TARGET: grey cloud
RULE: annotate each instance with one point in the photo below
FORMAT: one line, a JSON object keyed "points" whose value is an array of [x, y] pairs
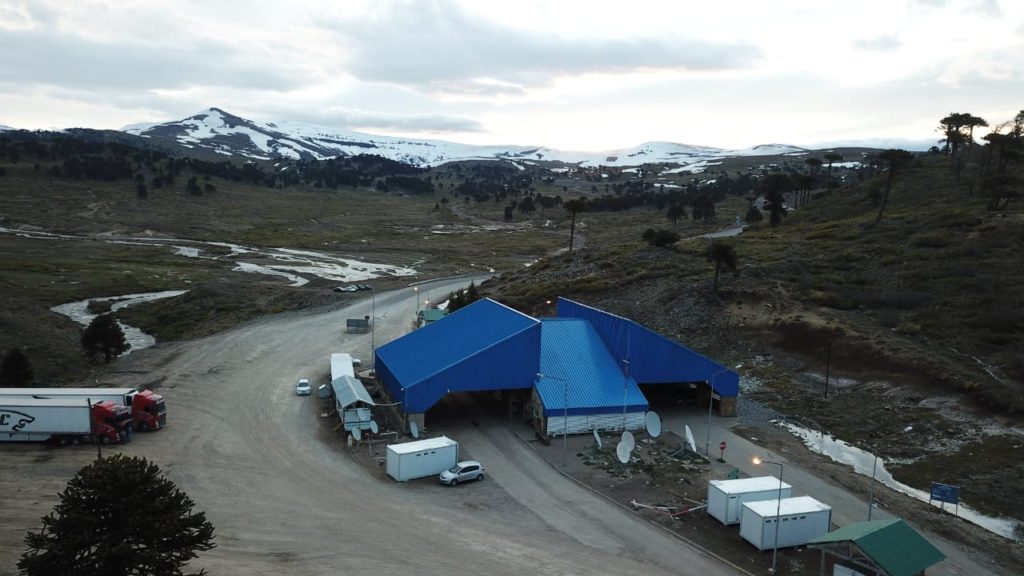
{"points": [[366, 120], [988, 8], [48, 58], [438, 46], [885, 43]]}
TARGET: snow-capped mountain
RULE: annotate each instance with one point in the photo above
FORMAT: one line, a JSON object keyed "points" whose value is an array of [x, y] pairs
{"points": [[5, 128], [218, 131]]}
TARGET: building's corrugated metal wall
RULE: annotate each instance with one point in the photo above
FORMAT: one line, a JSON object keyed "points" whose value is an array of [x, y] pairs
{"points": [[509, 364], [583, 423], [653, 358]]}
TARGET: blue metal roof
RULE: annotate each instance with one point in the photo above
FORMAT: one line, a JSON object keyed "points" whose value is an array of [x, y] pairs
{"points": [[484, 346], [577, 368], [653, 358]]}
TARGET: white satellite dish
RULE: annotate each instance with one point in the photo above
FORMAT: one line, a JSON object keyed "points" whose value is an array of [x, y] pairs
{"points": [[653, 423], [357, 434], [622, 452], [628, 440], [689, 440], [373, 426], [414, 429], [597, 440]]}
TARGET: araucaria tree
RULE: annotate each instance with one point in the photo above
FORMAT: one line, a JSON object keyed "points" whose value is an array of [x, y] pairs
{"points": [[118, 515], [722, 254], [893, 158], [104, 336], [16, 369], [574, 207], [774, 188], [831, 157]]}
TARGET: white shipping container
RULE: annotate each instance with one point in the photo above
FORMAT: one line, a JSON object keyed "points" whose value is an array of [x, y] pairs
{"points": [[801, 519], [726, 497], [584, 423], [341, 365], [35, 420], [428, 457]]}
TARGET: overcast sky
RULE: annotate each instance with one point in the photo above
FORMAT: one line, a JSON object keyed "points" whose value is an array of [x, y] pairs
{"points": [[587, 75]]}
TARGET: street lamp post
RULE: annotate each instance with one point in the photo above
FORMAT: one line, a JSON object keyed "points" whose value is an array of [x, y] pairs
{"points": [[373, 325], [778, 511], [711, 402], [565, 412], [874, 469]]}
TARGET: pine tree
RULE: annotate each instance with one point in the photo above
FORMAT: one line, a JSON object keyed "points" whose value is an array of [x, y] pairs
{"points": [[722, 254], [104, 336], [16, 369], [118, 515]]}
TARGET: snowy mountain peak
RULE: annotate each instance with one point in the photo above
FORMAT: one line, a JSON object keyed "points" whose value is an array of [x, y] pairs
{"points": [[218, 131]]}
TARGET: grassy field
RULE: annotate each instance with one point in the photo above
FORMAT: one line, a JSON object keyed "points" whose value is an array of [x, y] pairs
{"points": [[361, 224]]}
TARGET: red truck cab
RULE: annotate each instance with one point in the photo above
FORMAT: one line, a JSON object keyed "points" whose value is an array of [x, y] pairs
{"points": [[148, 411], [111, 423]]}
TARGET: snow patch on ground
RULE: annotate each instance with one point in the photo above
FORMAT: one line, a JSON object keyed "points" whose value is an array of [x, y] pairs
{"points": [[862, 462]]}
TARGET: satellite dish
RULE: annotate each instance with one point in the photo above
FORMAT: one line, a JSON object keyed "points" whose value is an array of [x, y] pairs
{"points": [[357, 434], [414, 429], [689, 440], [628, 440], [622, 452], [653, 423], [373, 427], [597, 440]]}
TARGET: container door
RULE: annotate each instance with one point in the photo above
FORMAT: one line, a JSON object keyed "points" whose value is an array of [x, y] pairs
{"points": [[732, 510]]}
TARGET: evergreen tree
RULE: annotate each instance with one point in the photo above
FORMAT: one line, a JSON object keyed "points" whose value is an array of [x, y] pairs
{"points": [[722, 254], [118, 515], [193, 187], [16, 369], [574, 207], [674, 212], [831, 157], [774, 188], [104, 336], [895, 158]]}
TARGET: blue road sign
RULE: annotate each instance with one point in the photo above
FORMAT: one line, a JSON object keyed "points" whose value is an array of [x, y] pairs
{"points": [[945, 493]]}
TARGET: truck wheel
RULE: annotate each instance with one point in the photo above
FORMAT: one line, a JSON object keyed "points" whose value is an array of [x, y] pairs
{"points": [[63, 440], [143, 427], [76, 440], [104, 440]]}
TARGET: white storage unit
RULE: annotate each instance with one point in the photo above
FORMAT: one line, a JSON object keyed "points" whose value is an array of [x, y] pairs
{"points": [[726, 497], [801, 519], [428, 457], [341, 365]]}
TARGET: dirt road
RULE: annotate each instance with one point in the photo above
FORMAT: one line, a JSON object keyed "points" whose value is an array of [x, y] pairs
{"points": [[286, 498]]}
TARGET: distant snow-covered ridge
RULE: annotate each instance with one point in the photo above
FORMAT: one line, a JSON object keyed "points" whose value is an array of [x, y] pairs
{"points": [[223, 133]]}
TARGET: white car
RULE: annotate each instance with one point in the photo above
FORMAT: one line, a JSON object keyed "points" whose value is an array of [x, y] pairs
{"points": [[462, 472], [302, 388]]}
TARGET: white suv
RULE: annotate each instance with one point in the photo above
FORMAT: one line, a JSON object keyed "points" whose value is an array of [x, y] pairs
{"points": [[303, 388], [462, 472]]}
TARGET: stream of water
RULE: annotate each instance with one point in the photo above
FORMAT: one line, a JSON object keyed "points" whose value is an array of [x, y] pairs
{"points": [[863, 461]]}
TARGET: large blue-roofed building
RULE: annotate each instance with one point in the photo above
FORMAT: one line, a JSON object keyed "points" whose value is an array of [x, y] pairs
{"points": [[584, 367]]}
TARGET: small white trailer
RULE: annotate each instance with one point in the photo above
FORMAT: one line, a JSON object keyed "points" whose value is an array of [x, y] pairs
{"points": [[726, 497], [428, 457], [801, 519]]}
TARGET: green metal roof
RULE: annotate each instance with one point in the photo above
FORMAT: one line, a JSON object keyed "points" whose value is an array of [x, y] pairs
{"points": [[892, 544], [432, 314]]}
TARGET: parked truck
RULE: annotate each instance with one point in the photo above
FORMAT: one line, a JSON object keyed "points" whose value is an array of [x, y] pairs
{"points": [[63, 420], [147, 408]]}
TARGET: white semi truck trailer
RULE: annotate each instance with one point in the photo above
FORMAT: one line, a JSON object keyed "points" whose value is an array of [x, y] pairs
{"points": [[64, 421]]}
